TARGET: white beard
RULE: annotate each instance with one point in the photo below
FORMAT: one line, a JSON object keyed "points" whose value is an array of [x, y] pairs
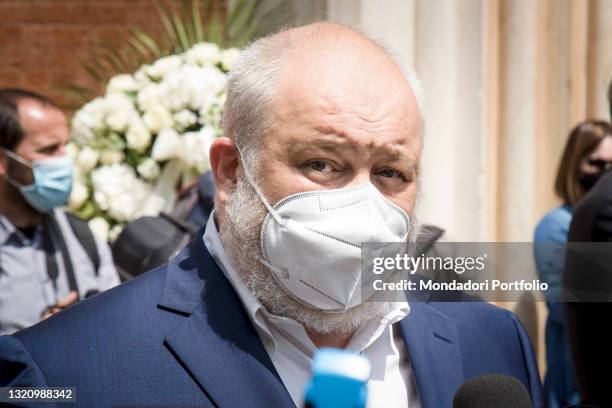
{"points": [[240, 228]]}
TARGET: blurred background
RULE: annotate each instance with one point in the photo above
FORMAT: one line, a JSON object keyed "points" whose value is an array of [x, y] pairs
{"points": [[505, 81]]}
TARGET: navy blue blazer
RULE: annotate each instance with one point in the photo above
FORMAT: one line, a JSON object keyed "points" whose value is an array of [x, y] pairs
{"points": [[179, 336]]}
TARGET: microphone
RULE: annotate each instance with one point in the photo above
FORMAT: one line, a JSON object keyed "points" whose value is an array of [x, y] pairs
{"points": [[339, 380], [492, 391]]}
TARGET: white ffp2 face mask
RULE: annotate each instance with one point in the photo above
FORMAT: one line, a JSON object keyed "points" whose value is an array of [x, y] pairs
{"points": [[311, 242]]}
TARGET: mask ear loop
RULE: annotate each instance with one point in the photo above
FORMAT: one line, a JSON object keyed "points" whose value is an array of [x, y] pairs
{"points": [[265, 202], [19, 160]]}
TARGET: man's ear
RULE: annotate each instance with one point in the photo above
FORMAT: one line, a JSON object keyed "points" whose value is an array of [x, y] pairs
{"points": [[224, 160]]}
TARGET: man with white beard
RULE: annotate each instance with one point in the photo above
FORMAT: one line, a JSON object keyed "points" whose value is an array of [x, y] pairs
{"points": [[320, 153]]}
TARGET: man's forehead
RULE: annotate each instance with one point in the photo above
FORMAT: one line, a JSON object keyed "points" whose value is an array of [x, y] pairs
{"points": [[43, 124], [354, 74], [35, 114], [392, 122], [368, 91]]}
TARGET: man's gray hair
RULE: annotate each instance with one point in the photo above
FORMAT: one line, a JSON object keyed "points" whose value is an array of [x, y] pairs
{"points": [[251, 86]]}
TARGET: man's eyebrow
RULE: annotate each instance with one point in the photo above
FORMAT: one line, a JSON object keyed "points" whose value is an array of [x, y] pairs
{"points": [[320, 145], [47, 146], [333, 139]]}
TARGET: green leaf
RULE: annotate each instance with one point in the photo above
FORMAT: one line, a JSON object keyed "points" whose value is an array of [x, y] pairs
{"points": [[238, 11], [87, 211], [179, 26], [196, 16], [94, 72], [147, 41], [166, 17], [141, 51], [185, 25]]}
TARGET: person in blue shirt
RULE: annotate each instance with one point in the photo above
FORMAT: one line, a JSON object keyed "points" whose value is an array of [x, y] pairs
{"points": [[587, 154]]}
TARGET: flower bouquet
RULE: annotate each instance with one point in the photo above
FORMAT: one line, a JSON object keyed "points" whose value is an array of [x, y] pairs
{"points": [[147, 137]]}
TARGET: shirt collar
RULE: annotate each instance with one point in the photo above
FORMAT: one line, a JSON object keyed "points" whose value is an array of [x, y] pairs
{"points": [[261, 317], [212, 241], [6, 229]]}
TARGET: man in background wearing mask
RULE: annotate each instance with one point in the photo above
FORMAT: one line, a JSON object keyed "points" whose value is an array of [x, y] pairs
{"points": [[43, 266], [321, 153]]}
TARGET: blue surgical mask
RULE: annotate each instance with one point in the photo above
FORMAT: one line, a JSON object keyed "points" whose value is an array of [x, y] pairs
{"points": [[52, 181]]}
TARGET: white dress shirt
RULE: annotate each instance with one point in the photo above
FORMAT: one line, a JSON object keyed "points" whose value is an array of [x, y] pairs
{"points": [[391, 382]]}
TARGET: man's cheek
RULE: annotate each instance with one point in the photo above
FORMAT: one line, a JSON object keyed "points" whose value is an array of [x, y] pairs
{"points": [[406, 201], [282, 181]]}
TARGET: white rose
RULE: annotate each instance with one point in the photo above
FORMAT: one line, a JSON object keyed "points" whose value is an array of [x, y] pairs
{"points": [[87, 120], [203, 54], [130, 202], [174, 90], [111, 156], [156, 118], [100, 227], [148, 169], [122, 83], [102, 200], [80, 131], [87, 159], [166, 146], [118, 120], [229, 57], [195, 147], [204, 84], [92, 114], [106, 181], [114, 232], [119, 191], [124, 207], [117, 101], [163, 66], [77, 174], [185, 118], [153, 205], [78, 195], [72, 151], [137, 136], [141, 78], [149, 96]]}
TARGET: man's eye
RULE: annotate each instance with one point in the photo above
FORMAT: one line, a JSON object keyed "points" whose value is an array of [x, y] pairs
{"points": [[49, 149], [320, 166], [390, 173]]}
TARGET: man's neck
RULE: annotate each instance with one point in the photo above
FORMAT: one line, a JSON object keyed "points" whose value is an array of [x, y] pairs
{"points": [[328, 340], [17, 210]]}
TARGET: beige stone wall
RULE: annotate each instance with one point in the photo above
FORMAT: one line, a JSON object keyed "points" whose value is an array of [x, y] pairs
{"points": [[505, 81]]}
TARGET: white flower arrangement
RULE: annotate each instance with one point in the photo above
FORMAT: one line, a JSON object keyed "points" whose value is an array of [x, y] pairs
{"points": [[148, 136]]}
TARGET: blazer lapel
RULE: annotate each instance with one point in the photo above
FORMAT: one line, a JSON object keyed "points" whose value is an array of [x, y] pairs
{"points": [[217, 342], [432, 343]]}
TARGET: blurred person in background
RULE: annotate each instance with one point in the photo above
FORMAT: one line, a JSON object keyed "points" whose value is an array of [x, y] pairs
{"points": [[586, 156], [48, 259], [587, 319]]}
